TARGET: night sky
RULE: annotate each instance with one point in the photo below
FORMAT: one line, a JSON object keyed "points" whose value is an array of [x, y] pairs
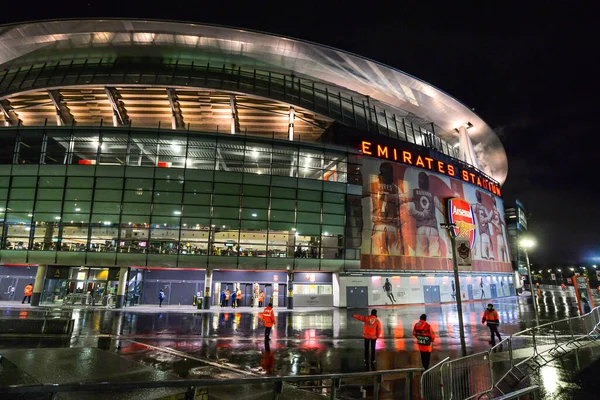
{"points": [[527, 69]]}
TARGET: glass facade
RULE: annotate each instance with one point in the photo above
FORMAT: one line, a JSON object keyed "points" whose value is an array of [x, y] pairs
{"points": [[77, 196]]}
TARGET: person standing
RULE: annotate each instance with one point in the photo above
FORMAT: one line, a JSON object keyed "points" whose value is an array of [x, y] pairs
{"points": [[261, 298], [238, 297], [269, 320], [223, 301], [161, 297], [371, 331], [493, 320], [227, 295], [425, 336], [28, 291]]}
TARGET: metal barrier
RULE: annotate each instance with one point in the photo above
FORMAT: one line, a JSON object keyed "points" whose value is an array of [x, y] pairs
{"points": [[467, 377], [513, 359], [531, 391], [329, 383], [431, 380]]}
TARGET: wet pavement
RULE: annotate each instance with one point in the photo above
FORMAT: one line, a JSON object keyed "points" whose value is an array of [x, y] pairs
{"points": [[225, 343]]}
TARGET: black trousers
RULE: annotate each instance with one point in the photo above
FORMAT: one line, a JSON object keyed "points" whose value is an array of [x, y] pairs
{"points": [[28, 299], [425, 358], [370, 343], [267, 332], [494, 331]]}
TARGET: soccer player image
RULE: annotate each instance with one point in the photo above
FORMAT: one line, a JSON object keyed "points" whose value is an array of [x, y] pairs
{"points": [[498, 227], [483, 217], [422, 207], [385, 197]]}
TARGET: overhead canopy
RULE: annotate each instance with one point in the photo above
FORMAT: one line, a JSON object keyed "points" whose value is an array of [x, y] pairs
{"points": [[28, 43]]}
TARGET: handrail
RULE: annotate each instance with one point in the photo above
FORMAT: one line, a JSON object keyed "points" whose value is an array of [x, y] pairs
{"points": [[546, 344], [105, 386], [519, 393]]}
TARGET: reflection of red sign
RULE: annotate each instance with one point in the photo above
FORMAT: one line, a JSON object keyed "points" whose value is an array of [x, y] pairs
{"points": [[164, 164], [461, 214]]}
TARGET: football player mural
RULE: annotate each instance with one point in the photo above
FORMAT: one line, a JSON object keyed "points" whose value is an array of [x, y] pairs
{"points": [[403, 208]]}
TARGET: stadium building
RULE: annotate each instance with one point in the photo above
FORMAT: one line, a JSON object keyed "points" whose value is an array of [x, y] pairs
{"points": [[139, 155]]}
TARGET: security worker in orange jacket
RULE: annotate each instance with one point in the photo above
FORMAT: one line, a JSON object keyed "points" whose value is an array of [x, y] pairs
{"points": [[227, 295], [261, 298], [493, 320], [238, 298], [371, 331], [425, 337], [28, 291], [269, 320]]}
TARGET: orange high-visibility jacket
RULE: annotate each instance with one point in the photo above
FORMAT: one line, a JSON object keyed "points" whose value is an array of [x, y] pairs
{"points": [[491, 317], [268, 317], [422, 328], [372, 328], [261, 296], [239, 295], [227, 293], [28, 290]]}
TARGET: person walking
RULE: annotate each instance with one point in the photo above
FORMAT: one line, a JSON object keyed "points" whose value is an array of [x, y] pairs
{"points": [[161, 297], [269, 320], [371, 331], [425, 337], [261, 298], [490, 316], [28, 291], [238, 297]]}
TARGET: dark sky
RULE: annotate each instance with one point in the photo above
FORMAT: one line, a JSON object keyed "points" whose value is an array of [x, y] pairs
{"points": [[527, 68]]}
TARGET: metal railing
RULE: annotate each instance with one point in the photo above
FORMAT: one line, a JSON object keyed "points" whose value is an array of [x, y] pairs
{"points": [[328, 384], [512, 359], [531, 391]]}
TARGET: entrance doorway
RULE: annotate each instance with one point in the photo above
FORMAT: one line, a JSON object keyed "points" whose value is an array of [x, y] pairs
{"points": [[431, 294], [357, 296]]}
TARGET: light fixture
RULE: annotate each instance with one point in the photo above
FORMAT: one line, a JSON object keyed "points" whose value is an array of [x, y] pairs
{"points": [[30, 215], [78, 209], [254, 214], [107, 222], [527, 243], [177, 212], [56, 217]]}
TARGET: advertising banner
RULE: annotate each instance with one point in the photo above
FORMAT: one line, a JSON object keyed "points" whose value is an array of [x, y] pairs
{"points": [[402, 209], [463, 253], [553, 277]]}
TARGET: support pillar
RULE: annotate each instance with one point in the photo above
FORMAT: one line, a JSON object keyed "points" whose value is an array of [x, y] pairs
{"points": [[207, 286], [121, 290], [290, 293], [38, 285]]}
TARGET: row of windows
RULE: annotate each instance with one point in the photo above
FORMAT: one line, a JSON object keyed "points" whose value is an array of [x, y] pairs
{"points": [[173, 181], [206, 241], [196, 195], [196, 154]]}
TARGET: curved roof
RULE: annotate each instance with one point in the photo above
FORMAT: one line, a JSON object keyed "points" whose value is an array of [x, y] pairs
{"points": [[387, 85]]}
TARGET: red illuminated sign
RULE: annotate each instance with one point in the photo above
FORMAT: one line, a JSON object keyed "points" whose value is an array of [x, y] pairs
{"points": [[86, 162], [409, 157], [163, 164], [460, 213]]}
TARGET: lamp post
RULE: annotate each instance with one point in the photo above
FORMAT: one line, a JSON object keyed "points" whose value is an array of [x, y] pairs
{"points": [[527, 244], [561, 277]]}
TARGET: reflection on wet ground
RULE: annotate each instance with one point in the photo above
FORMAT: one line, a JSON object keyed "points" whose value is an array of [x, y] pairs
{"points": [[222, 342]]}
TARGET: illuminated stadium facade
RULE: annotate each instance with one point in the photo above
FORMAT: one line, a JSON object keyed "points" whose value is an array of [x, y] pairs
{"points": [[140, 155]]}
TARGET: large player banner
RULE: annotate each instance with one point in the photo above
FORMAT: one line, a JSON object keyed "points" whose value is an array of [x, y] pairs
{"points": [[403, 208]]}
